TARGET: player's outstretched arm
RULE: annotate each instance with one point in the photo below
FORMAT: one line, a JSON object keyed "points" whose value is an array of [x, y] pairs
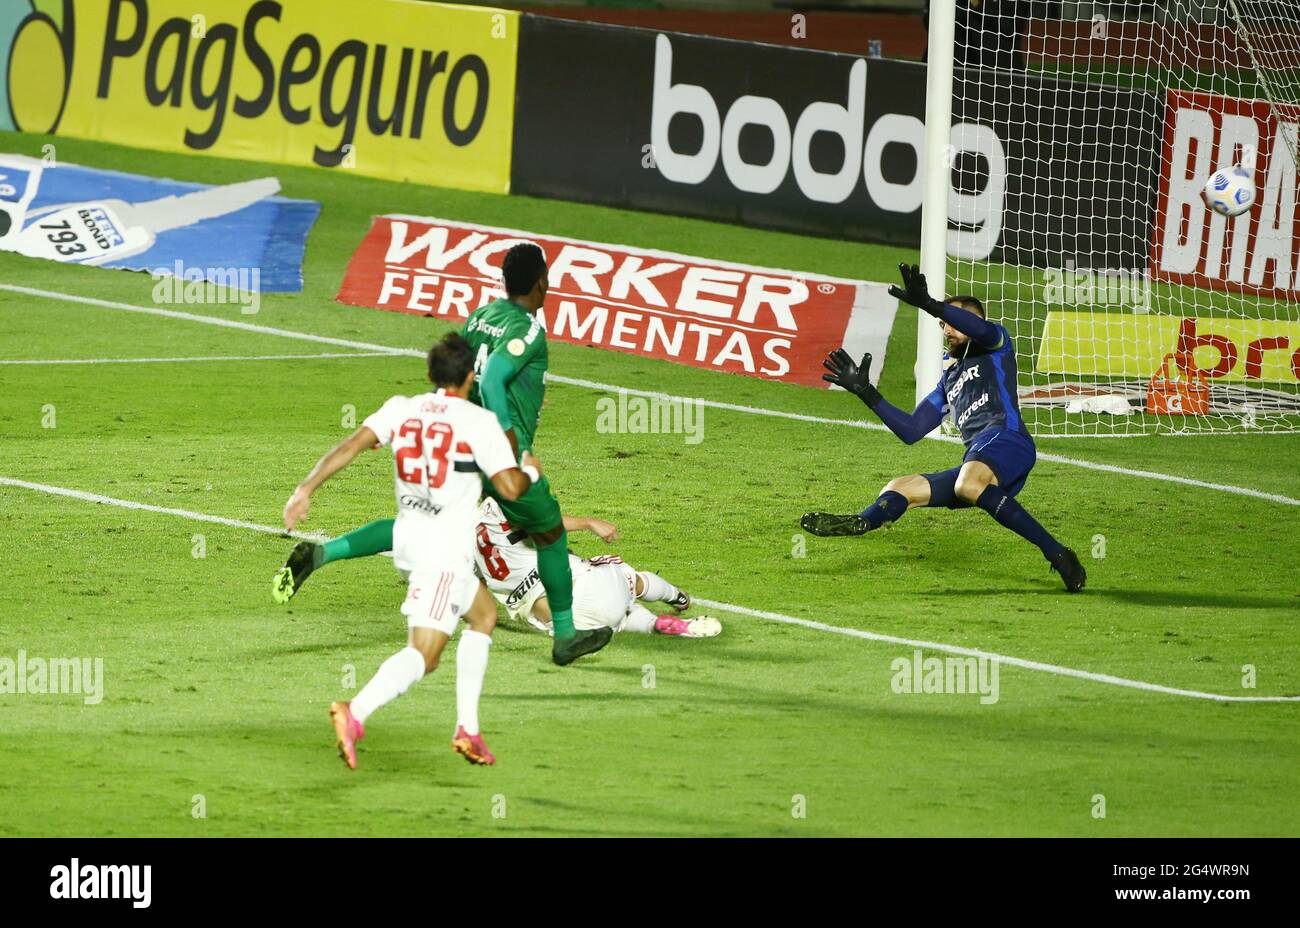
{"points": [[496, 377], [916, 292], [605, 531], [857, 380], [337, 458], [912, 427]]}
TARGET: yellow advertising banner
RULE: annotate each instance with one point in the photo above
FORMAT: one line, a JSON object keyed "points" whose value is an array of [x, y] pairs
{"points": [[1134, 345], [405, 90]]}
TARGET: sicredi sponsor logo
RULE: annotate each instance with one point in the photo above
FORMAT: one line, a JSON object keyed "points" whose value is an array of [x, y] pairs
{"points": [[758, 321], [1257, 252]]}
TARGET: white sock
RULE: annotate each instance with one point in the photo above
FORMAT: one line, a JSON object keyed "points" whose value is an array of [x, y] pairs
{"points": [[471, 667], [655, 588], [639, 619], [393, 678]]}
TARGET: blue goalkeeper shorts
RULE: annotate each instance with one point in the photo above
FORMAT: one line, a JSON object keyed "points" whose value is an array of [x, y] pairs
{"points": [[1010, 455]]}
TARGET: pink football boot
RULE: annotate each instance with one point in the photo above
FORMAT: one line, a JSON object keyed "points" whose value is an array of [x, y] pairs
{"points": [[698, 627], [348, 732], [471, 747]]}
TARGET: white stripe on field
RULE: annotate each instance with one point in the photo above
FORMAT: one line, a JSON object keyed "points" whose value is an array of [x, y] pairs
{"points": [[162, 510], [739, 610], [258, 357], [612, 388], [876, 427], [206, 320], [988, 655]]}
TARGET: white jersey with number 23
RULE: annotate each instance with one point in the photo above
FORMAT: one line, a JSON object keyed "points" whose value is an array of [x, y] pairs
{"points": [[440, 444]]}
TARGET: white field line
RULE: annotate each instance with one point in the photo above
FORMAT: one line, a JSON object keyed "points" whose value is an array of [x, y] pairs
{"points": [[712, 604], [612, 388], [161, 510], [256, 357], [989, 655], [872, 426], [206, 320]]}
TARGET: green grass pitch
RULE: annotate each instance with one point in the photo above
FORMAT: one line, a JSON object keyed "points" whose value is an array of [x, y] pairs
{"points": [[215, 700]]}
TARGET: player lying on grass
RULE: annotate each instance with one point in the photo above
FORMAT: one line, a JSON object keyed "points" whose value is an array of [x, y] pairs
{"points": [[510, 360], [605, 590], [441, 442], [979, 386]]}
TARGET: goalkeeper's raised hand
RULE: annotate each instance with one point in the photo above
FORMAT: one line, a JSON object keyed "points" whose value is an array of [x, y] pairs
{"points": [[852, 377], [915, 290]]}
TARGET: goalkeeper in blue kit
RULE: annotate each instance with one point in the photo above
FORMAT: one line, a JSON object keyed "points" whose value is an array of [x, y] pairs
{"points": [[979, 386]]}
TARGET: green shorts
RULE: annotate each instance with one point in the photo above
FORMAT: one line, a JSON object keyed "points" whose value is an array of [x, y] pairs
{"points": [[536, 511]]}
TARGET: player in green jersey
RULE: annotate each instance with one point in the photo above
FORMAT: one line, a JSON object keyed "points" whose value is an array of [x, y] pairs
{"points": [[510, 365]]}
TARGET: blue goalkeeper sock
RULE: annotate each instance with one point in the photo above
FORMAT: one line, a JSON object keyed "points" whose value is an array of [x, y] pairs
{"points": [[888, 508], [1011, 514]]}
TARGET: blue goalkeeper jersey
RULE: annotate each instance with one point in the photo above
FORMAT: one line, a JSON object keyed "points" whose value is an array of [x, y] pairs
{"points": [[979, 388]]}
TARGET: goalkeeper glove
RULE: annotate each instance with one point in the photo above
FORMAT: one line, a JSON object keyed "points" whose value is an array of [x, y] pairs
{"points": [[852, 377], [915, 291]]}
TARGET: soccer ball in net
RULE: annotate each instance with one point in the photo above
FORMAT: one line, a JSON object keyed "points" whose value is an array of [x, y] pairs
{"points": [[1230, 191]]}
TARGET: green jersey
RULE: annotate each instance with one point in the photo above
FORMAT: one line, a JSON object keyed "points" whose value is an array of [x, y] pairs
{"points": [[505, 329]]}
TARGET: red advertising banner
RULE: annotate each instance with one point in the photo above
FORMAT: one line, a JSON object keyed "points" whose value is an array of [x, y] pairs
{"points": [[760, 322], [1255, 252]]}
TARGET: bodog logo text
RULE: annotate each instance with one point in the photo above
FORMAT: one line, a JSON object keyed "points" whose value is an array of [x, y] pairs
{"points": [[36, 47]]}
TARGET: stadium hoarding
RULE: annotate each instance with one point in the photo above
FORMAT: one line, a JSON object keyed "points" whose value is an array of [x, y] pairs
{"points": [[396, 89], [825, 144], [1254, 253], [717, 315], [240, 232], [716, 128], [1219, 348], [1062, 195]]}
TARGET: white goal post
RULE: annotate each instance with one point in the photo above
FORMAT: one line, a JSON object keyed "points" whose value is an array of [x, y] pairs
{"points": [[1064, 161]]}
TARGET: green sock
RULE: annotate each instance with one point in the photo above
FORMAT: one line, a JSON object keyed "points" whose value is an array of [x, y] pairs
{"points": [[557, 578], [371, 538]]}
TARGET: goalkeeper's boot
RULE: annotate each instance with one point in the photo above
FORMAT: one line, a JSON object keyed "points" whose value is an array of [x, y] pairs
{"points": [[347, 731], [305, 557], [1066, 563], [565, 651], [681, 602], [826, 525], [471, 747], [701, 626]]}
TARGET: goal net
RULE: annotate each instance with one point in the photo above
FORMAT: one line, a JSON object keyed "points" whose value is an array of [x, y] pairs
{"points": [[1080, 145]]}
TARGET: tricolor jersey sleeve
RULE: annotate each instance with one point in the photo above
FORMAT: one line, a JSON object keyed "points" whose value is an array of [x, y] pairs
{"points": [[387, 419]]}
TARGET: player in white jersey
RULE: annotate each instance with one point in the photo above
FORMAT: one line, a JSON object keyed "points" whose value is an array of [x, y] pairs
{"points": [[440, 441], [605, 590]]}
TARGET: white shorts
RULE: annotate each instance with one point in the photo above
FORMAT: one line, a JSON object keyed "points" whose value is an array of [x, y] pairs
{"points": [[439, 599], [603, 593]]}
